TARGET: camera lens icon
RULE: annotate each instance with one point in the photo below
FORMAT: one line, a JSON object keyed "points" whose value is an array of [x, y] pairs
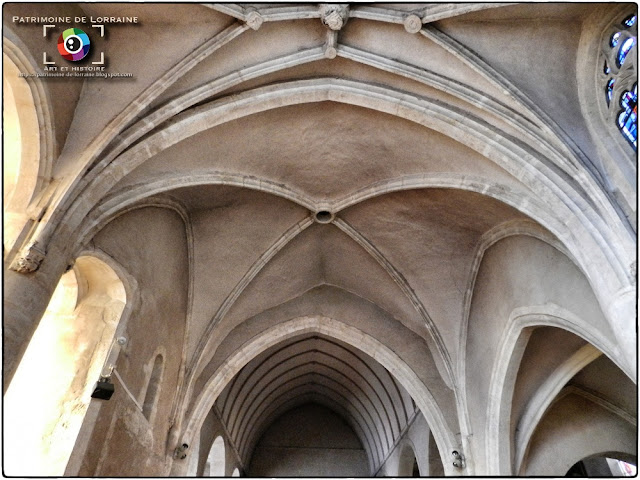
{"points": [[73, 44]]}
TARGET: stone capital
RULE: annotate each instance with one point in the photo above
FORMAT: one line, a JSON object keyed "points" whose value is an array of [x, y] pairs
{"points": [[29, 259]]}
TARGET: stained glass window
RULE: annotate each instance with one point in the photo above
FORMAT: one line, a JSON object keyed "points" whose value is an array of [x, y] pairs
{"points": [[626, 46], [615, 38], [610, 85], [628, 117], [626, 469], [617, 77]]}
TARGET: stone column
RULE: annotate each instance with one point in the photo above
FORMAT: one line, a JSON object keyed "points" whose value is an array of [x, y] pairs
{"points": [[622, 315], [26, 296]]}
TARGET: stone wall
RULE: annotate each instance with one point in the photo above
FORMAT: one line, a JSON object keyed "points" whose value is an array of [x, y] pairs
{"points": [[152, 243]]}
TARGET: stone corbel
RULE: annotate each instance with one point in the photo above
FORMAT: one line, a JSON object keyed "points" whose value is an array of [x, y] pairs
{"points": [[29, 258], [334, 15]]}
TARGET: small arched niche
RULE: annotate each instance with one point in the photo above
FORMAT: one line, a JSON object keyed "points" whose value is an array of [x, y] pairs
{"points": [[153, 388], [51, 391]]}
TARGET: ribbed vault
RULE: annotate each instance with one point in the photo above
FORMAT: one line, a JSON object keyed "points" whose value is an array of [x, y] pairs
{"points": [[323, 370], [460, 187]]}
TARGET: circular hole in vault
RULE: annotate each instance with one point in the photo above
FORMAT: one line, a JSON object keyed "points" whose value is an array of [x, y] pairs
{"points": [[324, 216]]}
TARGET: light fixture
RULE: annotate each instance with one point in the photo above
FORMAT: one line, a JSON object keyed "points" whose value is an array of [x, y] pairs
{"points": [[104, 389], [458, 459]]}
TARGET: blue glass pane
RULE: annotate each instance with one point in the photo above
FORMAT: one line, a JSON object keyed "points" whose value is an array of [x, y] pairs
{"points": [[609, 92], [630, 21], [624, 50], [606, 68], [614, 39], [629, 99], [628, 117]]}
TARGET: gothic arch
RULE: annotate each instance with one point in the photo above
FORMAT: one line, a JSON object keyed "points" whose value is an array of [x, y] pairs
{"points": [[470, 133], [618, 159], [343, 172], [545, 396], [215, 466], [514, 340], [26, 162], [34, 117], [587, 234], [618, 437], [94, 309], [407, 459], [331, 328]]}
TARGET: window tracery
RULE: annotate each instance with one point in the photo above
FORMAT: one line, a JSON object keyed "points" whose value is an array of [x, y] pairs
{"points": [[619, 74], [630, 21], [624, 51], [628, 117], [610, 84]]}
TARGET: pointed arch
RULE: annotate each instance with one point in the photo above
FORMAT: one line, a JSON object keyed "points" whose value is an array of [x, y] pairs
{"points": [[564, 198], [408, 462], [512, 345], [38, 145], [152, 391], [568, 198], [66, 356], [331, 328], [215, 466], [27, 146]]}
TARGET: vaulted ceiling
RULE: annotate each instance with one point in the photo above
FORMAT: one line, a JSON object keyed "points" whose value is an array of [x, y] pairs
{"points": [[320, 370], [337, 162]]}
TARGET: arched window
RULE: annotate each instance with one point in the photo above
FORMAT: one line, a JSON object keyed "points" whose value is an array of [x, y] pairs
{"points": [[153, 388], [624, 50], [215, 466], [628, 117], [615, 39], [51, 390], [610, 85], [620, 468], [630, 21], [618, 74]]}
